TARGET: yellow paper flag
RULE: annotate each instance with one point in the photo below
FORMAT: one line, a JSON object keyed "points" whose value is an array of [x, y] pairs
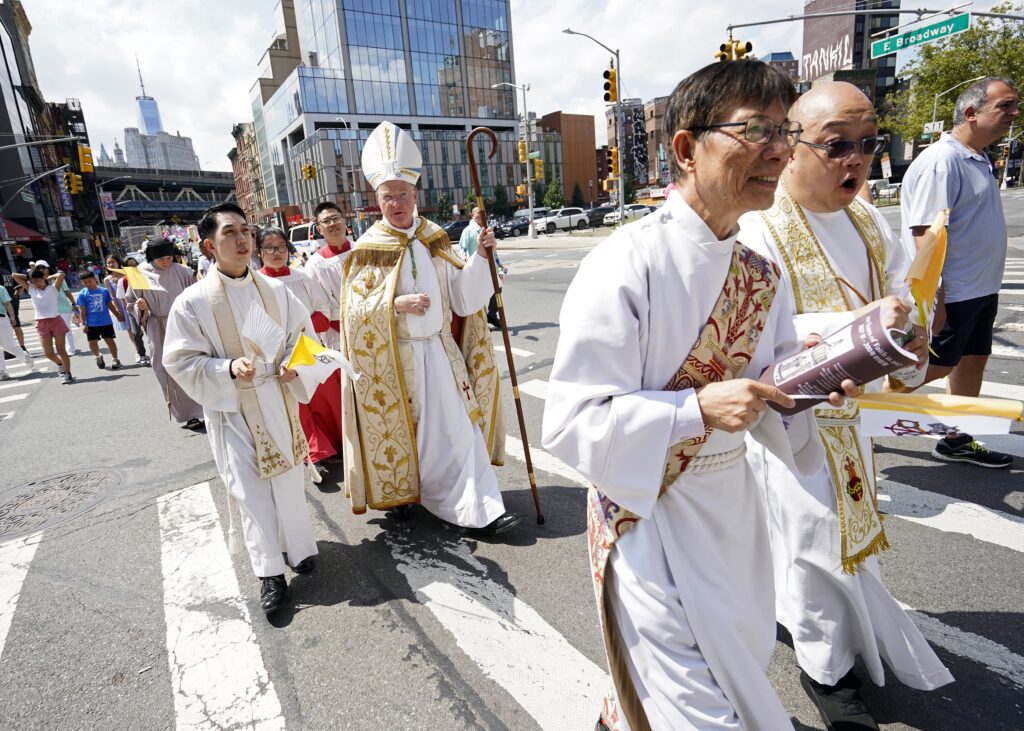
{"points": [[926, 270], [137, 280], [304, 352]]}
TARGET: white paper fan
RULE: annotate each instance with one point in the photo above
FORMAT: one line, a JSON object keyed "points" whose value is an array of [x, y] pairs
{"points": [[262, 334]]}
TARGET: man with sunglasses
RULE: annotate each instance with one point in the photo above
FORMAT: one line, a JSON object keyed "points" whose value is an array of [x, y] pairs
{"points": [[955, 173], [841, 259], [652, 391], [325, 268]]}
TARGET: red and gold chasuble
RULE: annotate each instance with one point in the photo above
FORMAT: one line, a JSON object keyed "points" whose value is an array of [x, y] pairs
{"points": [[722, 351]]}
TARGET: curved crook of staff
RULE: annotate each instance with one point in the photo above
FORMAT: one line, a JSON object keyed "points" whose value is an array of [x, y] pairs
{"points": [[475, 176]]}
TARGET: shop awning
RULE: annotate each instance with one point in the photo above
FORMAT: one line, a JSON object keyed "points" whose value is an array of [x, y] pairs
{"points": [[16, 233]]}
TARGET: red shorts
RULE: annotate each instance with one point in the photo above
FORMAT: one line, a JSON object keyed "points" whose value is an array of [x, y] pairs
{"points": [[51, 327]]}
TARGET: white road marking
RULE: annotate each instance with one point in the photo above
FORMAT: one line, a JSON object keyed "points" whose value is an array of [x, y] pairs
{"points": [[511, 643], [988, 388], [1007, 351], [217, 672], [951, 515], [1017, 327], [15, 559], [7, 415], [992, 655], [1006, 292], [1012, 308], [544, 461], [15, 397], [515, 351], [535, 387], [17, 384]]}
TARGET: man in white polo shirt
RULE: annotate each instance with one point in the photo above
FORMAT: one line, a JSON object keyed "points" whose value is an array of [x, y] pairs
{"points": [[955, 173]]}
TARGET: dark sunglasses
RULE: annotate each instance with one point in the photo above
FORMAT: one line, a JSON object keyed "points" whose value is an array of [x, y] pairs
{"points": [[837, 149]]}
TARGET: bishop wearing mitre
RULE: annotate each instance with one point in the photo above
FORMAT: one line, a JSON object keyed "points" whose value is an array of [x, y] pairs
{"points": [[424, 423]]}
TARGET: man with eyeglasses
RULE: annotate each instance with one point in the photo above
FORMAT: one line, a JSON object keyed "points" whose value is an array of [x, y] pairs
{"points": [[955, 173], [325, 268], [840, 259], [423, 424], [651, 393]]}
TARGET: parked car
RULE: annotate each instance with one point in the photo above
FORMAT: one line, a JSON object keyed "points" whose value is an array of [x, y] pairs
{"points": [[595, 216], [562, 219], [892, 190], [454, 229], [519, 226], [631, 211]]}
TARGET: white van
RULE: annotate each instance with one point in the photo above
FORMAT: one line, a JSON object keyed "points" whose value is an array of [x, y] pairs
{"points": [[298, 236]]}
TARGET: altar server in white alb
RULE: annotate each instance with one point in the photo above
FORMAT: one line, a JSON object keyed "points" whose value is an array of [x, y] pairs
{"points": [[651, 394], [423, 424], [840, 259], [249, 399]]}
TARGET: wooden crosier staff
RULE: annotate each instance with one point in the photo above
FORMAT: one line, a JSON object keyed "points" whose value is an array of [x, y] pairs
{"points": [[489, 133]]}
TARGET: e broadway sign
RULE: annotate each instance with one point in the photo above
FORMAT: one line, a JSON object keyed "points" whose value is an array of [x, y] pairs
{"points": [[926, 34]]}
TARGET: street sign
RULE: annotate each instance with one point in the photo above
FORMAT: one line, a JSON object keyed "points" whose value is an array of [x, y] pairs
{"points": [[534, 154], [925, 34], [886, 166], [28, 196], [107, 204], [934, 127]]}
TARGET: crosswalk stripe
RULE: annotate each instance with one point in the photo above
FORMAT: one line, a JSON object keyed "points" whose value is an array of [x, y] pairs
{"points": [[997, 658], [20, 384], [1014, 352], [5, 415], [14, 397], [510, 642], [535, 387], [988, 388], [515, 351], [217, 671], [1012, 308], [1017, 327], [15, 559], [951, 515], [1011, 292]]}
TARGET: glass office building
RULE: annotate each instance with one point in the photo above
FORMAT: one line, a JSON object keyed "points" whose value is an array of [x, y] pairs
{"points": [[149, 115], [426, 65]]}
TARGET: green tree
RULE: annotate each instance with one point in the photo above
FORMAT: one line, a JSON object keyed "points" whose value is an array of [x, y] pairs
{"points": [[500, 208], [444, 208], [538, 194], [468, 203], [991, 47], [630, 188], [577, 196], [553, 197]]}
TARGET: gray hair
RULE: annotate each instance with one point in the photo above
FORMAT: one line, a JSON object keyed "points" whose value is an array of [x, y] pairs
{"points": [[975, 96], [715, 91]]}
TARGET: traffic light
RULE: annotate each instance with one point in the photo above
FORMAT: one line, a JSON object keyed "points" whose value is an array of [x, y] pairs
{"points": [[520, 190], [308, 171], [538, 169], [611, 86], [85, 159], [613, 162], [76, 184], [724, 52], [741, 49], [608, 185], [67, 182], [522, 150]]}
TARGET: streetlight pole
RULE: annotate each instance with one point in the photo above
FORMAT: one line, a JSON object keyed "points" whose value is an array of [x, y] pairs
{"points": [[352, 172], [619, 119], [108, 232], [526, 136], [935, 103]]}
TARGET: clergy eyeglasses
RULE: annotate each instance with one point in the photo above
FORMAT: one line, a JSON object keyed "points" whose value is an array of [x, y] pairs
{"points": [[759, 130], [282, 249], [392, 199], [837, 149]]}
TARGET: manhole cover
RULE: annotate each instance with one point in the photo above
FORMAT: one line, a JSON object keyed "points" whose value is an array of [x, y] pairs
{"points": [[51, 501]]}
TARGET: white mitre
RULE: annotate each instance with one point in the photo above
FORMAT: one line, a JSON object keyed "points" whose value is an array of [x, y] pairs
{"points": [[391, 154]]}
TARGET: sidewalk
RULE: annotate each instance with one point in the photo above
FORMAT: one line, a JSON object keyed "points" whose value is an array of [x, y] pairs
{"points": [[586, 239]]}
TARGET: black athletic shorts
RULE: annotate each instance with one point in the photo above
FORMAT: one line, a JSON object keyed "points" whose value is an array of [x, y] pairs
{"points": [[16, 304], [100, 331], [967, 330]]}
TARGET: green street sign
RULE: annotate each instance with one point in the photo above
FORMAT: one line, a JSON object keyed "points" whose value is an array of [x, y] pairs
{"points": [[534, 154], [926, 34]]}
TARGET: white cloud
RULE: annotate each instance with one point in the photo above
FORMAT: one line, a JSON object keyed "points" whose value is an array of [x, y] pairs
{"points": [[199, 60]]}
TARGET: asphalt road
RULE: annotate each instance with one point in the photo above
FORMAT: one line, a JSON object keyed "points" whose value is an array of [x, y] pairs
{"points": [[120, 607]]}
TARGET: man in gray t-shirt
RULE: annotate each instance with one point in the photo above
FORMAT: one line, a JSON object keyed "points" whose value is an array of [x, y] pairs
{"points": [[955, 173]]}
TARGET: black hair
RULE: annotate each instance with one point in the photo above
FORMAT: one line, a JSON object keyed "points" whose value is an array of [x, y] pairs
{"points": [[86, 273], [115, 257], [266, 231], [38, 273], [326, 206], [131, 259], [710, 94], [208, 223]]}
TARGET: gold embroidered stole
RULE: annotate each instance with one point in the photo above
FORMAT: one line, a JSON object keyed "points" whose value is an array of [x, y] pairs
{"points": [[723, 349], [815, 289], [270, 458], [382, 464]]}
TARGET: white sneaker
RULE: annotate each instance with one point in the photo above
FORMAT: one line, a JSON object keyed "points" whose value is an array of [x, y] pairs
{"points": [[30, 362]]}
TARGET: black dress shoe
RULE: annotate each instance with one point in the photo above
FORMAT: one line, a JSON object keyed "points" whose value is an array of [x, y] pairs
{"points": [[501, 524], [273, 593], [402, 513], [305, 566], [840, 706]]}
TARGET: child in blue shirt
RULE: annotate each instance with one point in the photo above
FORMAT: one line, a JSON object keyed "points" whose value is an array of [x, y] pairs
{"points": [[95, 306]]}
